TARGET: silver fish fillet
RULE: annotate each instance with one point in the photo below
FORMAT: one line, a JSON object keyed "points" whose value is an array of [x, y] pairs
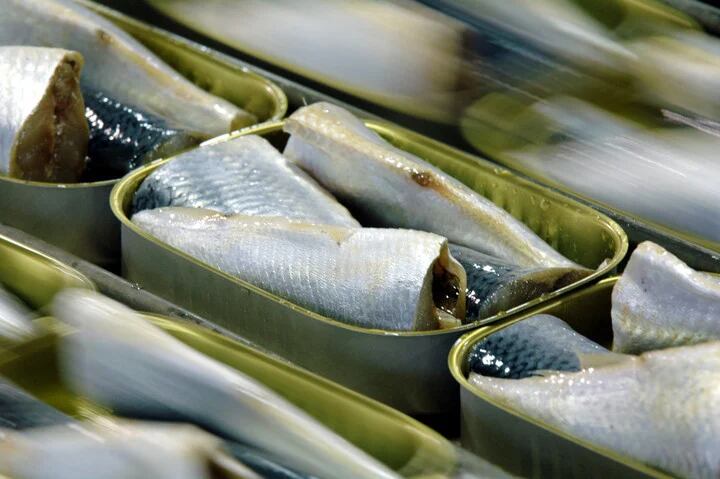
{"points": [[246, 175], [119, 360], [387, 279], [390, 187], [15, 318], [659, 408], [115, 450], [43, 133], [660, 302], [118, 64]]}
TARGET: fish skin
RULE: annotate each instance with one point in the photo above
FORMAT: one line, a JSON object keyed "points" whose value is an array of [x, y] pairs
{"points": [[373, 278], [530, 347], [261, 464], [124, 137], [494, 285], [43, 135], [117, 359], [661, 302], [118, 64], [19, 410], [393, 188], [15, 318], [659, 408], [245, 175]]}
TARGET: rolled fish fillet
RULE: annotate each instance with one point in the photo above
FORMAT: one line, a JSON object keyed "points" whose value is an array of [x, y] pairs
{"points": [[15, 318], [389, 187], [659, 408], [43, 133], [118, 64], [119, 360], [245, 175], [389, 279], [110, 450], [660, 302]]}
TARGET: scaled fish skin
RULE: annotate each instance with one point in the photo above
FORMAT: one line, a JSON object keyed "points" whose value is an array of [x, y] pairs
{"points": [[245, 175], [118, 64], [660, 302], [393, 188], [388, 279], [15, 318], [531, 347], [119, 360], [659, 408], [123, 137], [494, 285], [43, 134]]}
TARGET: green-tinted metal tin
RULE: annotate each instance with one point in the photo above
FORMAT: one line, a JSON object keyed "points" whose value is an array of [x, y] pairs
{"points": [[526, 446], [398, 441], [76, 216], [404, 369]]}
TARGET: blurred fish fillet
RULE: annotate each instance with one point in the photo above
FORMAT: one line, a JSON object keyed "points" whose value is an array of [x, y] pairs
{"points": [[121, 361], [43, 133], [118, 64], [387, 279], [15, 318]]}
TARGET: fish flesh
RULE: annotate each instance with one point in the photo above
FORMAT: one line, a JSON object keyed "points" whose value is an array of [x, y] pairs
{"points": [[118, 64], [659, 408], [495, 285], [660, 302], [43, 134], [20, 410], [116, 450], [389, 187], [245, 175], [119, 360], [531, 347], [15, 318], [124, 137], [395, 280]]}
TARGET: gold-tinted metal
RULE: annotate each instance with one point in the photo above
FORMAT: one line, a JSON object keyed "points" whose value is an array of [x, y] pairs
{"points": [[404, 369], [76, 216], [524, 445], [398, 441]]}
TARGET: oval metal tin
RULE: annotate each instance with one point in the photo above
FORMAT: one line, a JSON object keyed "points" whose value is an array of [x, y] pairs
{"points": [[404, 369], [76, 216]]}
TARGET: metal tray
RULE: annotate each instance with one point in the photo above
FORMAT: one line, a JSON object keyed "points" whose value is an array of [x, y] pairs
{"points": [[76, 216], [393, 438], [406, 370], [523, 445]]}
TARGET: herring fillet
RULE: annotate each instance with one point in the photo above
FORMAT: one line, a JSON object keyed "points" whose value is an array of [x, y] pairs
{"points": [[43, 134], [661, 302], [394, 188], [374, 278], [118, 359], [245, 175], [118, 64], [15, 318], [659, 408]]}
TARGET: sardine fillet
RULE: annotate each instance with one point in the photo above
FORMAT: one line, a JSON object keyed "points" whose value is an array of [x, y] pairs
{"points": [[391, 187], [245, 175], [661, 302], [43, 132], [375, 278], [118, 64]]}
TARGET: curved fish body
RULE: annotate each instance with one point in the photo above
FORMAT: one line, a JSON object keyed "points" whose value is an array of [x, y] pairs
{"points": [[659, 408], [246, 175], [495, 285], [118, 64], [123, 137], [116, 450], [532, 347], [119, 360], [397, 280], [20, 410], [392, 188], [43, 134], [660, 302], [15, 318]]}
